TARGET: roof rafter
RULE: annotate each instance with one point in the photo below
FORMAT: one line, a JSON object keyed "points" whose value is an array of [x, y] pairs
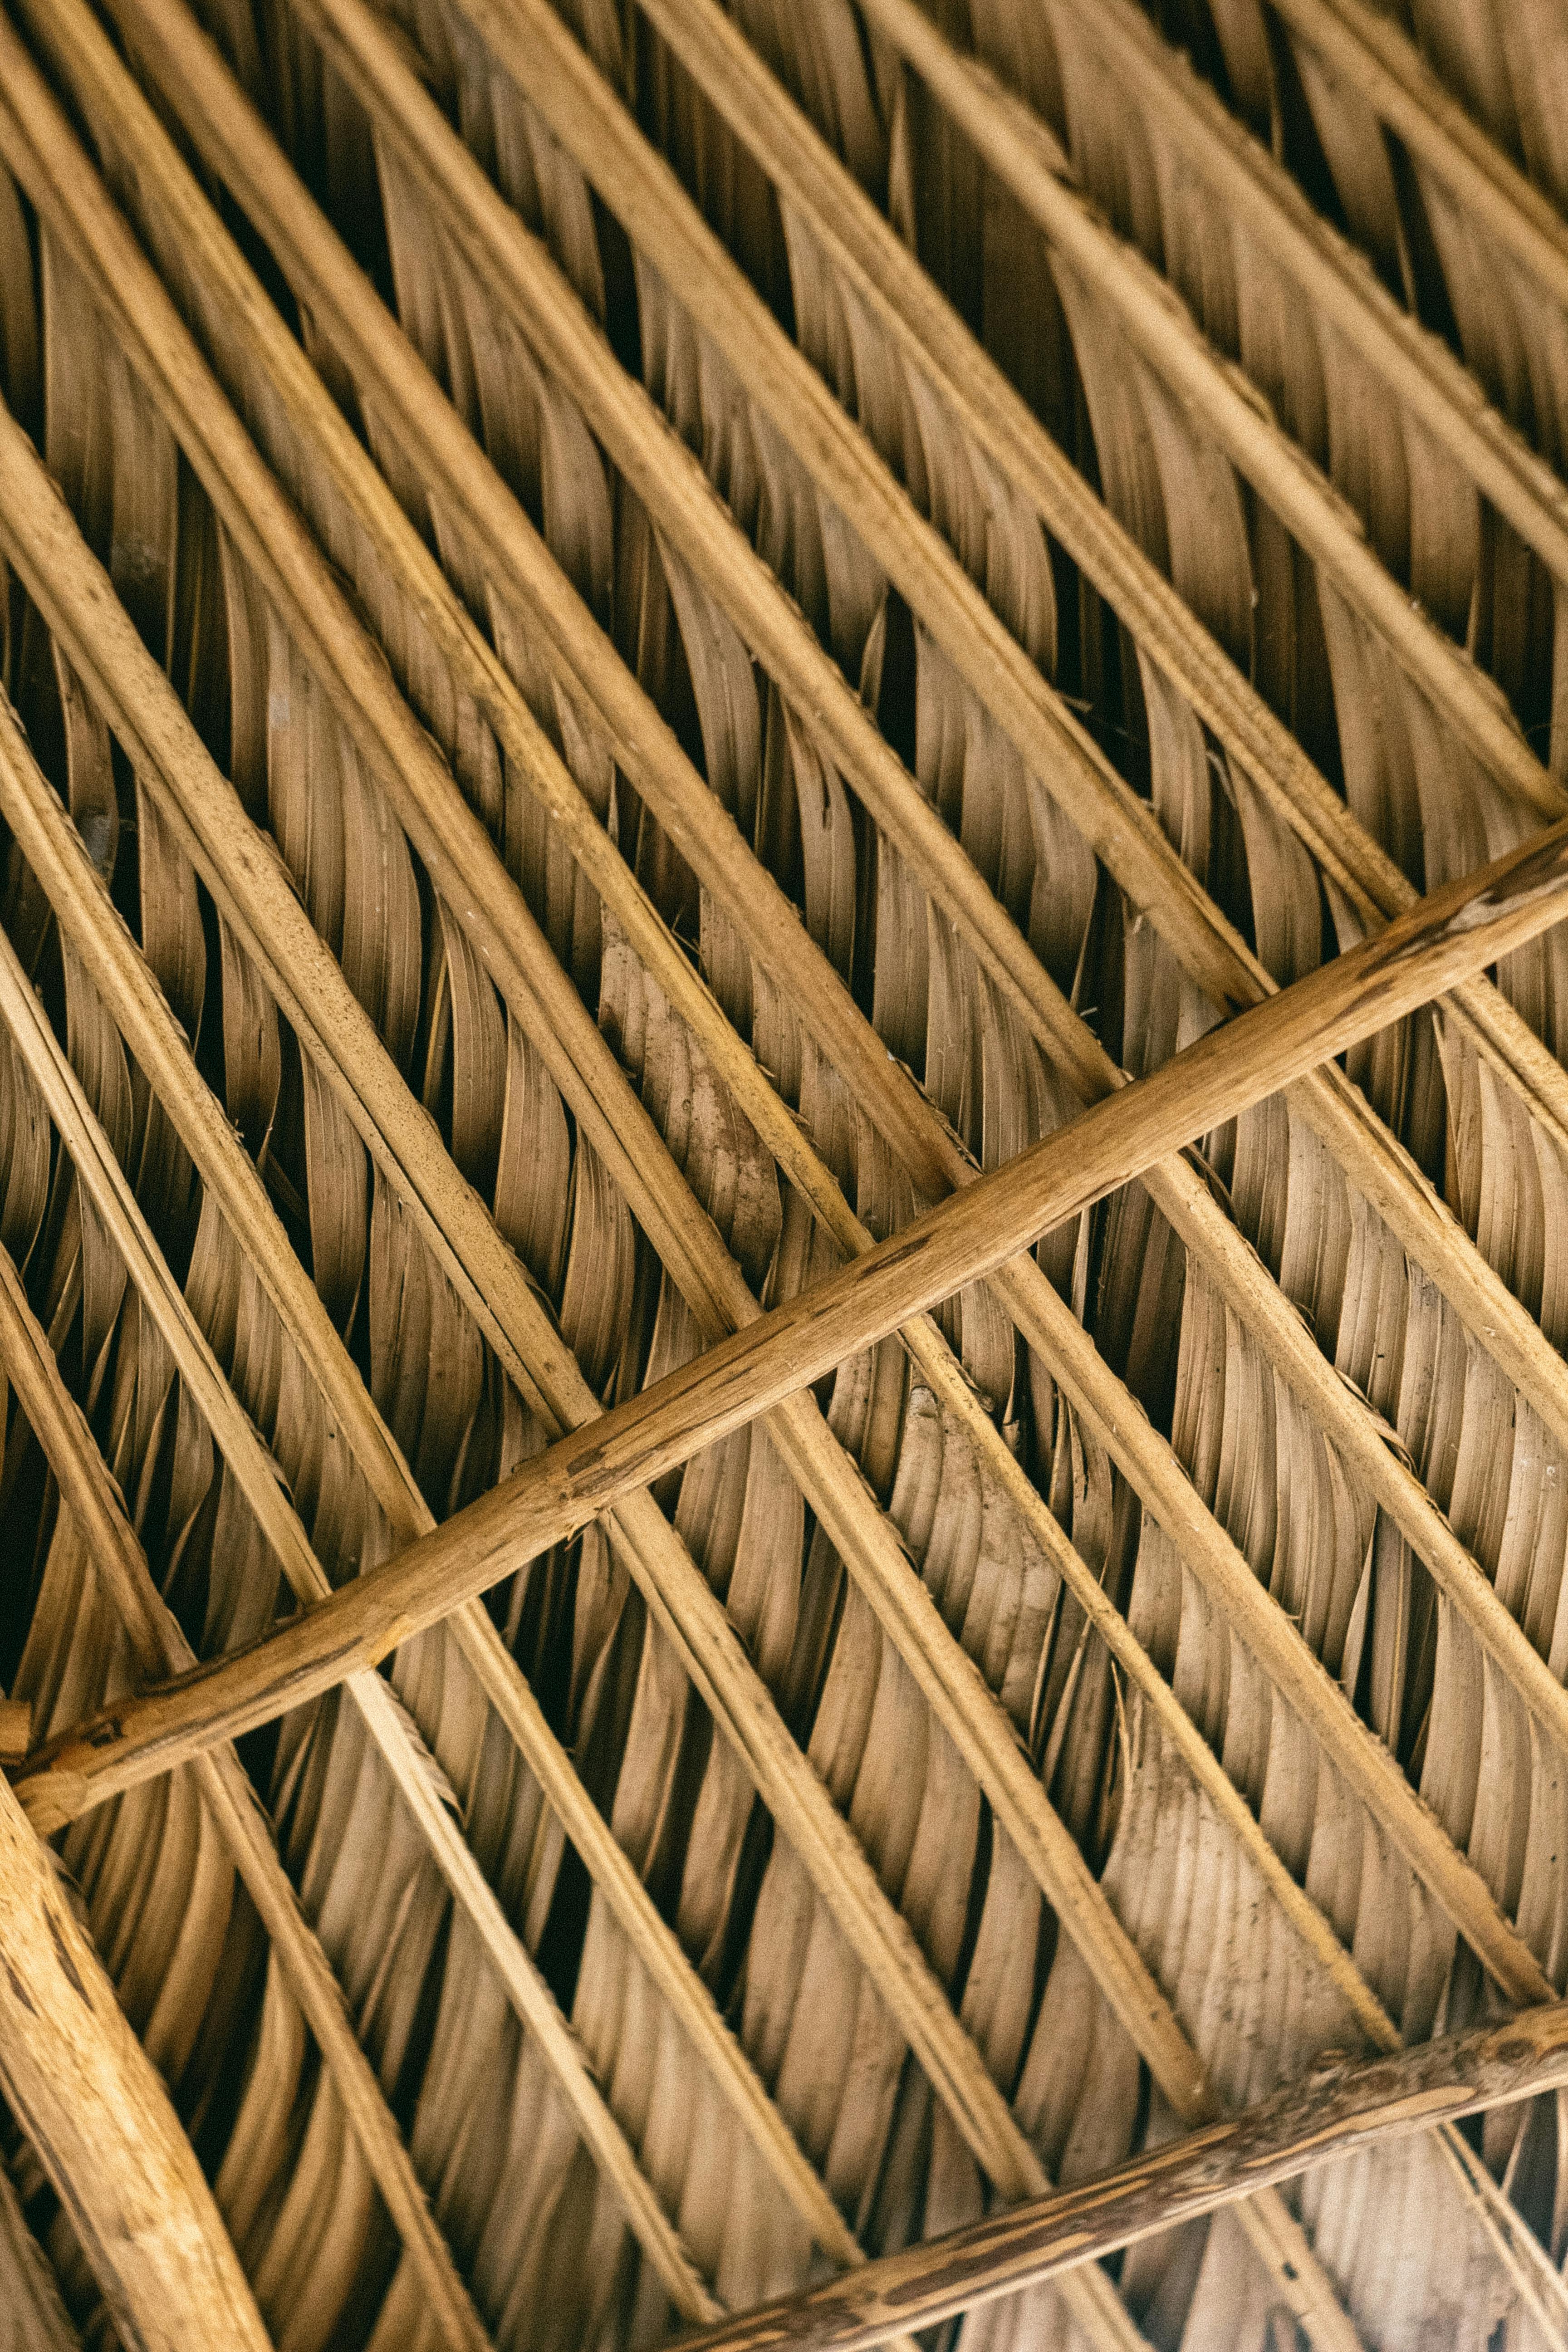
{"points": [[88, 919], [141, 706], [344, 305], [99, 1172], [362, 333], [1338, 2108], [670, 480], [1475, 1901]]}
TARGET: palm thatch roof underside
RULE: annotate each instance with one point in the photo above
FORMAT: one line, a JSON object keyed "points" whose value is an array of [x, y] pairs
{"points": [[639, 646]]}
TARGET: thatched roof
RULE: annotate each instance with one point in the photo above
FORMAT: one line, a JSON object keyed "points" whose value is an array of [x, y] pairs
{"points": [[784, 1172]]}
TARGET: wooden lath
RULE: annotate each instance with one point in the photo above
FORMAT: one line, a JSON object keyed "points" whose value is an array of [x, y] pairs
{"points": [[602, 1465], [159, 1647], [338, 297], [1339, 2108], [58, 862]]}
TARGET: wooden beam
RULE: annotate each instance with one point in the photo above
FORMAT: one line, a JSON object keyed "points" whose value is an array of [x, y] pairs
{"points": [[1450, 935], [1335, 2109], [96, 2111]]}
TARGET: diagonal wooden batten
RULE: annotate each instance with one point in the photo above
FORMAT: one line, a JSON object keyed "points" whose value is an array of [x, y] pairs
{"points": [[97, 2112], [1377, 1165], [407, 400], [1455, 930], [1063, 1864], [462, 862], [159, 1647], [1027, 1295], [247, 878], [87, 917], [1280, 2243], [391, 641], [1289, 2252], [1334, 2111], [640, 188], [100, 1174], [1381, 64]]}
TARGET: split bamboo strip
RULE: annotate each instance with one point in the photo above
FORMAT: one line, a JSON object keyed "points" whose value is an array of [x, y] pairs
{"points": [[931, 337], [247, 878], [1378, 60], [100, 2119], [1335, 2110], [159, 1647], [1259, 194], [1121, 829], [463, 863], [644, 193], [1017, 146]]}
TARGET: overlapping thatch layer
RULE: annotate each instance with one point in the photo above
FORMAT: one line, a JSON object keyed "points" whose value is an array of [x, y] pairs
{"points": [[640, 642]]}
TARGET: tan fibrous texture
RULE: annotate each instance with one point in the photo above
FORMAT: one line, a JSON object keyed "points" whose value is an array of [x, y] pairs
{"points": [[999, 1026]]}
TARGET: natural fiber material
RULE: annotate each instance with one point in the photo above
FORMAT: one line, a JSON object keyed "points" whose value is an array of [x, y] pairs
{"points": [[658, 636]]}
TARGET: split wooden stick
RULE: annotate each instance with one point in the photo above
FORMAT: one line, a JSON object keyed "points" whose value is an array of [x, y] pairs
{"points": [[1452, 934], [1334, 2110]]}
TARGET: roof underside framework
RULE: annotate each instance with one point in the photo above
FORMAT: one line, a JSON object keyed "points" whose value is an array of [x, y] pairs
{"points": [[639, 645]]}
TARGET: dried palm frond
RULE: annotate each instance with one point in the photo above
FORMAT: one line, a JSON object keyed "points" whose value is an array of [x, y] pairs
{"points": [[676, 646]]}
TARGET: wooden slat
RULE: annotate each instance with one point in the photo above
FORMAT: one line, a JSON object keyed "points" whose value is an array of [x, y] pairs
{"points": [[1379, 61], [97, 2115], [463, 864], [1255, 189], [931, 337], [1454, 931], [1336, 2109], [640, 187]]}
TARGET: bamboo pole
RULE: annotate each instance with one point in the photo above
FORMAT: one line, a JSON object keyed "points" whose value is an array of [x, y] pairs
{"points": [[1452, 933]]}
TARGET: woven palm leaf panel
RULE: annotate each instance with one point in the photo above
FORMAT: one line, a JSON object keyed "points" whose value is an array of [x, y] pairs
{"points": [[659, 633]]}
